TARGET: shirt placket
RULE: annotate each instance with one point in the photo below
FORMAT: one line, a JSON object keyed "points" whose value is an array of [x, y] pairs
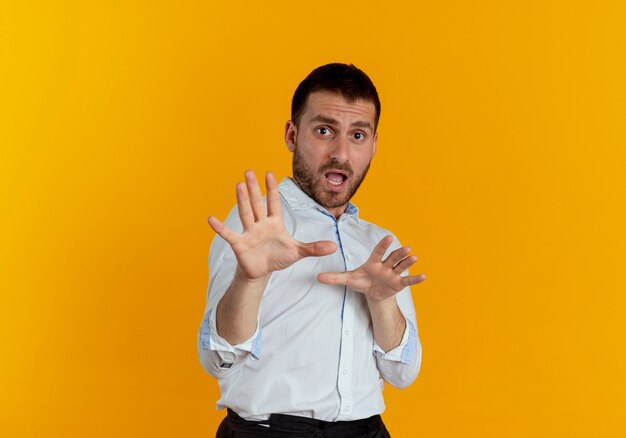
{"points": [[346, 358]]}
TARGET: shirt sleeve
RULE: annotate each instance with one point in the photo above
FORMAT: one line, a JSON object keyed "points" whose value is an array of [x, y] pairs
{"points": [[218, 357], [400, 365], [405, 351]]}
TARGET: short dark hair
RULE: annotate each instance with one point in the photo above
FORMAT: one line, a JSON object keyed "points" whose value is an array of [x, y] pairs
{"points": [[344, 79]]}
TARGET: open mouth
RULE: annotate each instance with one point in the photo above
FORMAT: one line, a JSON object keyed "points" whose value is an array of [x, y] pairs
{"points": [[336, 178]]}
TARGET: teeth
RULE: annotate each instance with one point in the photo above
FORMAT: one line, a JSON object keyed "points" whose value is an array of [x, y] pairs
{"points": [[335, 178]]}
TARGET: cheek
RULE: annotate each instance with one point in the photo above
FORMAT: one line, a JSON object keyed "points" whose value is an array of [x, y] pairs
{"points": [[314, 155], [307, 157], [363, 158]]}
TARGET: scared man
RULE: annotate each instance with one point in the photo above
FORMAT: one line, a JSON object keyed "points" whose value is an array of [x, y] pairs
{"points": [[309, 308]]}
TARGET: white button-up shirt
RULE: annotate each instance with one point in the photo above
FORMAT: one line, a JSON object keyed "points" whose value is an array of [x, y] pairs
{"points": [[313, 353]]}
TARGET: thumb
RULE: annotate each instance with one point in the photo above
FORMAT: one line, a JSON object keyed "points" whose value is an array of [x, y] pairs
{"points": [[317, 249], [334, 277]]}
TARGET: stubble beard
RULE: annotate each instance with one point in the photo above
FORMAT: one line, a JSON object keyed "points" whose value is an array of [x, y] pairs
{"points": [[311, 181]]}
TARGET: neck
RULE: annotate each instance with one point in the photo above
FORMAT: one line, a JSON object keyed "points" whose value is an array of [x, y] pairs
{"points": [[335, 211]]}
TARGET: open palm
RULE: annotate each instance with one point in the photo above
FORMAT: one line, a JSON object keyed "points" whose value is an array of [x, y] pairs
{"points": [[378, 279], [265, 244]]}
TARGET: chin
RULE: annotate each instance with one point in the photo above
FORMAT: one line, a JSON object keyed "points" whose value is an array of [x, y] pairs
{"points": [[331, 201]]}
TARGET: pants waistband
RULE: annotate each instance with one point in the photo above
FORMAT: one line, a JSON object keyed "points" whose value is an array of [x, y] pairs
{"points": [[304, 424]]}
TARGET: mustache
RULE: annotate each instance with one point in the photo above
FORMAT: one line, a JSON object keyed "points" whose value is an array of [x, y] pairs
{"points": [[334, 165]]}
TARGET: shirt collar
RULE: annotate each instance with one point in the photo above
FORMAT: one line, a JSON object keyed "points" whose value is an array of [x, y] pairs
{"points": [[297, 199]]}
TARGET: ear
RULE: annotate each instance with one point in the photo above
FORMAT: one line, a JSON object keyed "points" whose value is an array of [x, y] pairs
{"points": [[375, 140], [291, 134]]}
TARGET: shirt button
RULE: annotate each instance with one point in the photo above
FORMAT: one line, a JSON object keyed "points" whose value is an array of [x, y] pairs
{"points": [[347, 332], [346, 408], [346, 373]]}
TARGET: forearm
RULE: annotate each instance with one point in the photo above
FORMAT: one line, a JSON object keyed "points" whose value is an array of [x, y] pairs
{"points": [[401, 365], [237, 311], [388, 322]]}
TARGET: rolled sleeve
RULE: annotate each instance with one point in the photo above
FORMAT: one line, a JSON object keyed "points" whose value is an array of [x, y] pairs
{"points": [[217, 355], [405, 351], [400, 366], [219, 344]]}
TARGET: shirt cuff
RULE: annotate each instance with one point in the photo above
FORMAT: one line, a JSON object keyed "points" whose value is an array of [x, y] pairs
{"points": [[210, 340], [405, 352]]}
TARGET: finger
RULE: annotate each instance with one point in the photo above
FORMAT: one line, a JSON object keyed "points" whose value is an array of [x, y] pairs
{"points": [[334, 277], [222, 230], [317, 249], [254, 192], [243, 205], [397, 255], [273, 196], [380, 249], [413, 279], [405, 264]]}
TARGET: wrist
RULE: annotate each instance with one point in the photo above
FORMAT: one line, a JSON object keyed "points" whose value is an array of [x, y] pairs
{"points": [[384, 303], [244, 280], [386, 309]]}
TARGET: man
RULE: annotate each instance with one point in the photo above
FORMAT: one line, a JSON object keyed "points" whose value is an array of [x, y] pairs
{"points": [[301, 335]]}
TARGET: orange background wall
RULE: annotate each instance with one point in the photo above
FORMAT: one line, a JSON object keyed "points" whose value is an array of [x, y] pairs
{"points": [[501, 161]]}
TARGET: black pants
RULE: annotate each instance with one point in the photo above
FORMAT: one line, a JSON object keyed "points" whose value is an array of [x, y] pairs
{"points": [[287, 426]]}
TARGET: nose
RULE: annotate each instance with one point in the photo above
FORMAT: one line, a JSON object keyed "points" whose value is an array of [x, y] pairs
{"points": [[340, 149]]}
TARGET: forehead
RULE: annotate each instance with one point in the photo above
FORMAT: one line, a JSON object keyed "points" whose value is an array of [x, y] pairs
{"points": [[335, 105]]}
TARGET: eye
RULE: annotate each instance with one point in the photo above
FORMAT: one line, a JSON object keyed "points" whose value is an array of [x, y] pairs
{"points": [[358, 136], [323, 131]]}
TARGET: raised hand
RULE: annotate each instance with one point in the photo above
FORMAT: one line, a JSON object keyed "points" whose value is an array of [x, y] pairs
{"points": [[265, 244], [378, 279]]}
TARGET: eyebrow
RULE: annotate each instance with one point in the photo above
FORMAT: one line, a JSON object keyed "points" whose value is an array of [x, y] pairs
{"points": [[331, 121]]}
